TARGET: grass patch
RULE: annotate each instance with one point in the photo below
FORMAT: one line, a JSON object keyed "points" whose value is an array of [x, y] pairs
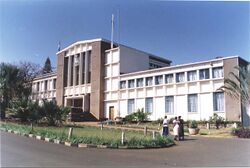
{"points": [[94, 135]]}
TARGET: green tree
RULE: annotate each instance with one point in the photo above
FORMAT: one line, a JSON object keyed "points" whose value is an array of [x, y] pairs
{"points": [[9, 80], [47, 66], [53, 114], [238, 84], [16, 83]]}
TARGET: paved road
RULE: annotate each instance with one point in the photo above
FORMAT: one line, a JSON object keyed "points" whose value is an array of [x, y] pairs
{"points": [[18, 151]]}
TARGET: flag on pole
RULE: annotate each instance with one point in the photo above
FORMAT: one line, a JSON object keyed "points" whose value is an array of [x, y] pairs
{"points": [[59, 46]]}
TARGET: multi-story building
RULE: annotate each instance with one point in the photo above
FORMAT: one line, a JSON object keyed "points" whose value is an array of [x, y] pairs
{"points": [[110, 82]]}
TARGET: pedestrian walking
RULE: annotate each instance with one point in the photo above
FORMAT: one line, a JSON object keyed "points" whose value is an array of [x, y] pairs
{"points": [[176, 129], [165, 127], [181, 128]]}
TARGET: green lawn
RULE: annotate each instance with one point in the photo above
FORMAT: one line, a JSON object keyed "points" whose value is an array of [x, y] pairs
{"points": [[93, 135]]}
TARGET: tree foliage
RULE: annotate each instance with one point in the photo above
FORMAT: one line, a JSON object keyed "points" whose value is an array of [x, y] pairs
{"points": [[16, 82], [9, 81], [25, 110], [52, 113], [47, 66], [238, 84], [138, 116]]}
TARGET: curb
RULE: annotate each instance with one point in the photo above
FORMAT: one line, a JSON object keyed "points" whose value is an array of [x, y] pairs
{"points": [[102, 146], [69, 144], [81, 145], [56, 141], [48, 140], [39, 137], [31, 135], [16, 132], [10, 131]]}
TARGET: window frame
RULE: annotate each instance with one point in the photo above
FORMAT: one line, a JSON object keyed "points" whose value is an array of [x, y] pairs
{"points": [[146, 105], [128, 106], [166, 111], [189, 103], [215, 105], [146, 80]]}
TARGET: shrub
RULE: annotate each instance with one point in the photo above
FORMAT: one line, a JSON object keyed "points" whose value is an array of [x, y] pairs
{"points": [[26, 110], [19, 109], [241, 132], [53, 114], [193, 124], [138, 116], [217, 120]]}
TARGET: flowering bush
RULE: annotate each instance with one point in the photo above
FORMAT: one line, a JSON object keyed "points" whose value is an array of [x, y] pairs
{"points": [[242, 132]]}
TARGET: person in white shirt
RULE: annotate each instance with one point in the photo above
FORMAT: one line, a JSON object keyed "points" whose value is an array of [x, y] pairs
{"points": [[176, 128], [165, 127]]}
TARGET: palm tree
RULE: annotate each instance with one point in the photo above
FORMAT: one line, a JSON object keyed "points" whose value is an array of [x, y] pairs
{"points": [[238, 84]]}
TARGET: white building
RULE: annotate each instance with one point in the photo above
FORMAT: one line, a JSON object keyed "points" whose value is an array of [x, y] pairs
{"points": [[108, 83]]}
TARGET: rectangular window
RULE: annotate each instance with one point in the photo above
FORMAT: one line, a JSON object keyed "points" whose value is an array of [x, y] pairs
{"points": [[37, 86], [158, 80], [72, 67], [139, 82], [204, 74], [83, 68], [218, 72], [149, 81], [123, 85], [131, 105], [77, 75], [149, 105], [180, 77], [218, 99], [191, 75], [192, 103], [169, 104], [54, 83], [131, 83], [89, 64], [169, 78], [46, 85]]}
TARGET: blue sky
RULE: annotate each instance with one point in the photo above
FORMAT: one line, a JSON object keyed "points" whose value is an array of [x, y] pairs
{"points": [[181, 31]]}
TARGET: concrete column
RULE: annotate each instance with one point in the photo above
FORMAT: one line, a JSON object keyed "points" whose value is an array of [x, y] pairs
{"points": [[74, 70], [86, 70], [80, 69], [69, 71]]}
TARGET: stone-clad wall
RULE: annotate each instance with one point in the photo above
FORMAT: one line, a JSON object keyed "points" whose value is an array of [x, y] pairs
{"points": [[60, 79], [232, 106], [97, 78]]}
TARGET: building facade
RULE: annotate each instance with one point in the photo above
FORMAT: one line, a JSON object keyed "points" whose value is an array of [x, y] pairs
{"points": [[110, 82]]}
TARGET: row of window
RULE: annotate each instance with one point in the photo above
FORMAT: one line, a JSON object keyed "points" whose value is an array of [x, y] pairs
{"points": [[169, 78], [192, 101], [45, 85]]}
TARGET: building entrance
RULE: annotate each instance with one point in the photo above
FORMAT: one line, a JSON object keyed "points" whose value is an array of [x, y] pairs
{"points": [[75, 102]]}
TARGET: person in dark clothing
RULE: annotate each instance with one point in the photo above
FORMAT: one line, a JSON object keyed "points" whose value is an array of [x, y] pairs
{"points": [[181, 128], [165, 127]]}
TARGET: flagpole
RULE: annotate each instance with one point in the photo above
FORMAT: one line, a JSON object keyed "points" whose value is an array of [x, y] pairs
{"points": [[112, 31]]}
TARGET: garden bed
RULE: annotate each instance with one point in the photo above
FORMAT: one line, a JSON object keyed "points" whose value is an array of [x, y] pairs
{"points": [[92, 136]]}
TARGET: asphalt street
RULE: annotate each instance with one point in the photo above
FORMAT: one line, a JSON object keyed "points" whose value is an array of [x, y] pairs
{"points": [[18, 151]]}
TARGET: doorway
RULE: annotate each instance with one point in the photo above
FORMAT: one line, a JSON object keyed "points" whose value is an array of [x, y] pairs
{"points": [[111, 112]]}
